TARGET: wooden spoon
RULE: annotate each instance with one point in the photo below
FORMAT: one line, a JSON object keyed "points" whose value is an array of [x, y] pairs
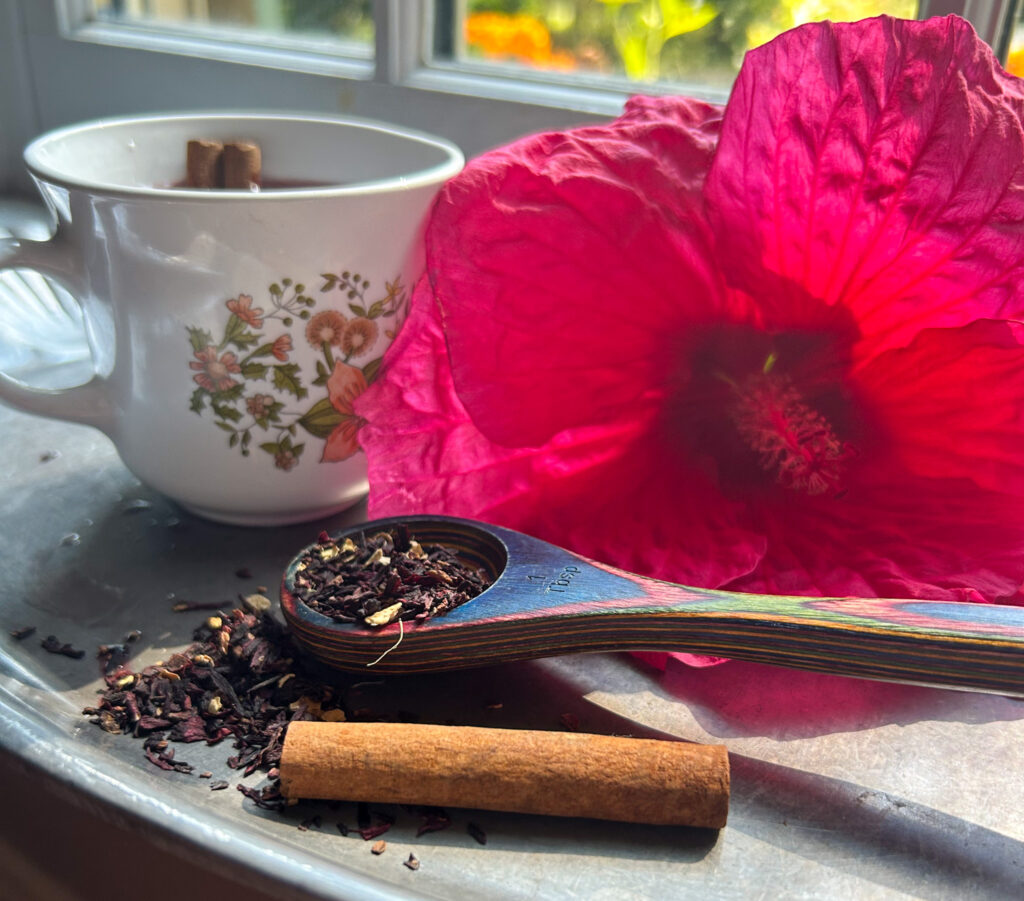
{"points": [[547, 601]]}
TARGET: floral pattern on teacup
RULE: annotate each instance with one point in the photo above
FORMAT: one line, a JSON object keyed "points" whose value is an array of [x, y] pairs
{"points": [[250, 388]]}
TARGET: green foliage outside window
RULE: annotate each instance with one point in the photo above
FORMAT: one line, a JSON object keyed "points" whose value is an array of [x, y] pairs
{"points": [[677, 40], [353, 18]]}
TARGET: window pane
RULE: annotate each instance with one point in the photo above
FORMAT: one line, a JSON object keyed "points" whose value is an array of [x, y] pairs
{"points": [[1015, 54], [692, 41], [349, 20]]}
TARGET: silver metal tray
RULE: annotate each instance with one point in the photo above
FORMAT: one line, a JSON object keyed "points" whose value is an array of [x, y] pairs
{"points": [[840, 787]]}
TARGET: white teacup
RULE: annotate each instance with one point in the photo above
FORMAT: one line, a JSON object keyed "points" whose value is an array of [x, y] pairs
{"points": [[231, 330]]}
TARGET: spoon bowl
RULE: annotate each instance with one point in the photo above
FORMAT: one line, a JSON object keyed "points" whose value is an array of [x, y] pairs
{"points": [[547, 601]]}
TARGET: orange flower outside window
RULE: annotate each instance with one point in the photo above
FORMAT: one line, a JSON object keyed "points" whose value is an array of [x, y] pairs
{"points": [[518, 38]]}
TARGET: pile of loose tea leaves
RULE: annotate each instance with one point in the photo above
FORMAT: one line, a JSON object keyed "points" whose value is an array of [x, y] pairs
{"points": [[381, 578], [241, 679]]}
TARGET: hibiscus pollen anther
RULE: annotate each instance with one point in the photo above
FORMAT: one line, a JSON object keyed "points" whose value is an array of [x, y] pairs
{"points": [[793, 441]]}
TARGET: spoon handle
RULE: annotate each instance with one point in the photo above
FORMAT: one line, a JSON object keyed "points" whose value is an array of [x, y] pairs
{"points": [[971, 646]]}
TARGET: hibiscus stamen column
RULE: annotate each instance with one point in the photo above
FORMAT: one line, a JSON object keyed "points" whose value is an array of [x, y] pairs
{"points": [[794, 442]]}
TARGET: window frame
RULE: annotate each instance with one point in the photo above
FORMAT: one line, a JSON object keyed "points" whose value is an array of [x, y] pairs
{"points": [[56, 68]]}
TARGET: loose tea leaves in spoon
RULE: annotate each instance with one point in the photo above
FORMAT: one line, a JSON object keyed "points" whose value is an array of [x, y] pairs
{"points": [[384, 577]]}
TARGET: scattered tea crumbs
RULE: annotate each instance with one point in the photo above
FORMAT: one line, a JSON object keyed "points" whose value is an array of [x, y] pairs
{"points": [[432, 819], [570, 721], [157, 753], [188, 606], [242, 678], [268, 798], [377, 579], [54, 645], [383, 824], [115, 656], [257, 603]]}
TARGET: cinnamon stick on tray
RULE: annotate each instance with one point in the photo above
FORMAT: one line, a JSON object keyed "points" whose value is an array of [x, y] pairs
{"points": [[570, 774]]}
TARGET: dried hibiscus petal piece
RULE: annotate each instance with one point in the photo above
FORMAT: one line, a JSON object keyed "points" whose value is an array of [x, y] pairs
{"points": [[55, 646]]}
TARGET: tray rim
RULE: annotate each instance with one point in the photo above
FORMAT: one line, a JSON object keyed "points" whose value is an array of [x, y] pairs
{"points": [[116, 796]]}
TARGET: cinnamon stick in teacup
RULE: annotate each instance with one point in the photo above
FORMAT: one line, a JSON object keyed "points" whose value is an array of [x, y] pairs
{"points": [[554, 773], [236, 165], [203, 163], [242, 162]]}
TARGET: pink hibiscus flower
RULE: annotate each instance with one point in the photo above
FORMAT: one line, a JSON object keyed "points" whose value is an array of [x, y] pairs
{"points": [[346, 383], [214, 372], [242, 307], [770, 348]]}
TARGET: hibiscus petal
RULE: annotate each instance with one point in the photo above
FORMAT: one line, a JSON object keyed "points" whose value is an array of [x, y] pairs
{"points": [[878, 165], [563, 261], [895, 535], [953, 404], [423, 452], [603, 492], [619, 503]]}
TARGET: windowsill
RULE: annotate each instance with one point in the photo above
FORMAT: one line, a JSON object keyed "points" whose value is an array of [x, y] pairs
{"points": [[306, 56]]}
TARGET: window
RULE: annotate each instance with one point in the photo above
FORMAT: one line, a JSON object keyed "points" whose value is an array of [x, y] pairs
{"points": [[341, 26], [1014, 40], [479, 72], [686, 42]]}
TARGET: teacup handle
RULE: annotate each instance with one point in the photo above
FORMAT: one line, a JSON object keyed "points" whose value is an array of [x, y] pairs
{"points": [[88, 403]]}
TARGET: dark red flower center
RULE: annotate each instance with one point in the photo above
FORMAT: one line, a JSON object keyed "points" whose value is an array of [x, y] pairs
{"points": [[794, 443], [766, 411]]}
